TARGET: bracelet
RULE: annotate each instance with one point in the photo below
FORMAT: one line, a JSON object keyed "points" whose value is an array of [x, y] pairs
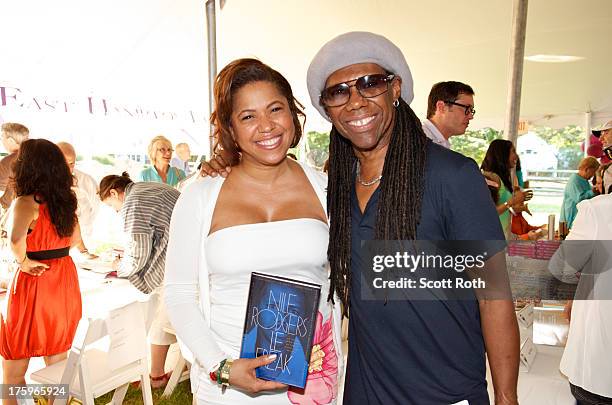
{"points": [[219, 370], [25, 256], [215, 375], [224, 372]]}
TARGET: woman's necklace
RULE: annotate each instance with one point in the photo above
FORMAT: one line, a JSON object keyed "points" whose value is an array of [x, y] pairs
{"points": [[366, 183]]}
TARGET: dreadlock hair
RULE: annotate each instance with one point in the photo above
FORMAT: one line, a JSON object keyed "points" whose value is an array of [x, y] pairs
{"points": [[401, 194]]}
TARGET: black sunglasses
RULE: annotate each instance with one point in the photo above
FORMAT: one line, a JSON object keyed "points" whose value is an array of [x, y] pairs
{"points": [[468, 108], [367, 86]]}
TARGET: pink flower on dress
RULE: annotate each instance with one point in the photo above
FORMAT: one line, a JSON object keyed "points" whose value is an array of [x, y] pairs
{"points": [[321, 386]]}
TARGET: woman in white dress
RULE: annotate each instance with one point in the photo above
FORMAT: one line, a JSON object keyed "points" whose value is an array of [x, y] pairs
{"points": [[268, 216]]}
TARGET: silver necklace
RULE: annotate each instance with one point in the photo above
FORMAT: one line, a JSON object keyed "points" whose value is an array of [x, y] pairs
{"points": [[366, 183]]}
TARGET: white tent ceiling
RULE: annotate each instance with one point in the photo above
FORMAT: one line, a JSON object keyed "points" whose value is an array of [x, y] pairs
{"points": [[152, 53]]}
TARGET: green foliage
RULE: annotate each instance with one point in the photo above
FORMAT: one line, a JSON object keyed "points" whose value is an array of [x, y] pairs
{"points": [[317, 148], [474, 144], [105, 160], [566, 140]]}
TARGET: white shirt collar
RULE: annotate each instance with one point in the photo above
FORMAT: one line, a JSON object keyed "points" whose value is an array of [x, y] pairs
{"points": [[434, 134]]}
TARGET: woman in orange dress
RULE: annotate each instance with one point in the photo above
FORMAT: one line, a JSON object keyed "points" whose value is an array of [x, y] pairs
{"points": [[43, 306]]}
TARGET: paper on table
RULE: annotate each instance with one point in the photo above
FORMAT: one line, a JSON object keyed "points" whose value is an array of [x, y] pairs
{"points": [[550, 327], [528, 354], [97, 266], [127, 335], [525, 316]]}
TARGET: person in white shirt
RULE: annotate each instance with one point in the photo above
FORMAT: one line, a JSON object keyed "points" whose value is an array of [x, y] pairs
{"points": [[182, 157], [586, 359], [450, 108], [86, 190]]}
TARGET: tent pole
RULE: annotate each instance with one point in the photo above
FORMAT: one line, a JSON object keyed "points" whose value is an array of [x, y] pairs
{"points": [[517, 53], [211, 25], [587, 127]]}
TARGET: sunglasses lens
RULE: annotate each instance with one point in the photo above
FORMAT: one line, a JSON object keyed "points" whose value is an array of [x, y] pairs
{"points": [[372, 85], [367, 86], [336, 95]]}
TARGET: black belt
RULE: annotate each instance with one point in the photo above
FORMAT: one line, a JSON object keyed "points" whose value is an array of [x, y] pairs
{"points": [[49, 254]]}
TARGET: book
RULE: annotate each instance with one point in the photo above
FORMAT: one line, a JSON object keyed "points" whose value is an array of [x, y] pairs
{"points": [[280, 319]]}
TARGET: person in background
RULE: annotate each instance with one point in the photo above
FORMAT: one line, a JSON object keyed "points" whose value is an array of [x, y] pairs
{"points": [[44, 299], [519, 174], [86, 190], [604, 133], [13, 134], [500, 159], [520, 227], [586, 252], [145, 210], [182, 158], [218, 237], [450, 108], [598, 182], [577, 189], [160, 152]]}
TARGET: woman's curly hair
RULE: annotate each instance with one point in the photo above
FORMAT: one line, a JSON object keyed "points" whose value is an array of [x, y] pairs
{"points": [[41, 170]]}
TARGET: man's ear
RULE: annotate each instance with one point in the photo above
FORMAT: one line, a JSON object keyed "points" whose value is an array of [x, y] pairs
{"points": [[396, 87], [440, 105]]}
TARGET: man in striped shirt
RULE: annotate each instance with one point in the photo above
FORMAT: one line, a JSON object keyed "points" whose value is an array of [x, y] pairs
{"points": [[146, 209]]}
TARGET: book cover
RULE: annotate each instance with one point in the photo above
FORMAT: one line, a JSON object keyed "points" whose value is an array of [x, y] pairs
{"points": [[280, 319]]}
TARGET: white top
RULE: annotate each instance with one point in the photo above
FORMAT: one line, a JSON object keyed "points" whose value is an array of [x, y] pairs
{"points": [[88, 200], [434, 134], [586, 359], [207, 281]]}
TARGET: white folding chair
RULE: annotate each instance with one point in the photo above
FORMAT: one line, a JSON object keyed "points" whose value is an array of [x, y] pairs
{"points": [[91, 372], [180, 371]]}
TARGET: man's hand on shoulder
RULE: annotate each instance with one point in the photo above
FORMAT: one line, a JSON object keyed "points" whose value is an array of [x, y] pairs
{"points": [[219, 165]]}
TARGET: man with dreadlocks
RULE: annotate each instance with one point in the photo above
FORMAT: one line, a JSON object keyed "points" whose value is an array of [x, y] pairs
{"points": [[388, 181]]}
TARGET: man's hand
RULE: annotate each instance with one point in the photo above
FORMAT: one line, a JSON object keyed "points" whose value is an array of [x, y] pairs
{"points": [[216, 166]]}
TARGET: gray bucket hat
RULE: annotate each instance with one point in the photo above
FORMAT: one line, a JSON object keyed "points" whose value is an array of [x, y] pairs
{"points": [[349, 49]]}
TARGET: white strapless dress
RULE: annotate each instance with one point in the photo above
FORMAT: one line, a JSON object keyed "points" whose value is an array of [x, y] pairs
{"points": [[295, 248]]}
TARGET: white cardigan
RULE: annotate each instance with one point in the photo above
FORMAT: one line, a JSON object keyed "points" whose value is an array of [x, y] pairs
{"points": [[186, 283]]}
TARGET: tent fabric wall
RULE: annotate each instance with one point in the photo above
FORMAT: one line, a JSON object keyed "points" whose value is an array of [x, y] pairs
{"points": [[153, 52]]}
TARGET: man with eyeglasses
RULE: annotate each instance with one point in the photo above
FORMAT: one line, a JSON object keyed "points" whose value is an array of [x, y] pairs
{"points": [[450, 108]]}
